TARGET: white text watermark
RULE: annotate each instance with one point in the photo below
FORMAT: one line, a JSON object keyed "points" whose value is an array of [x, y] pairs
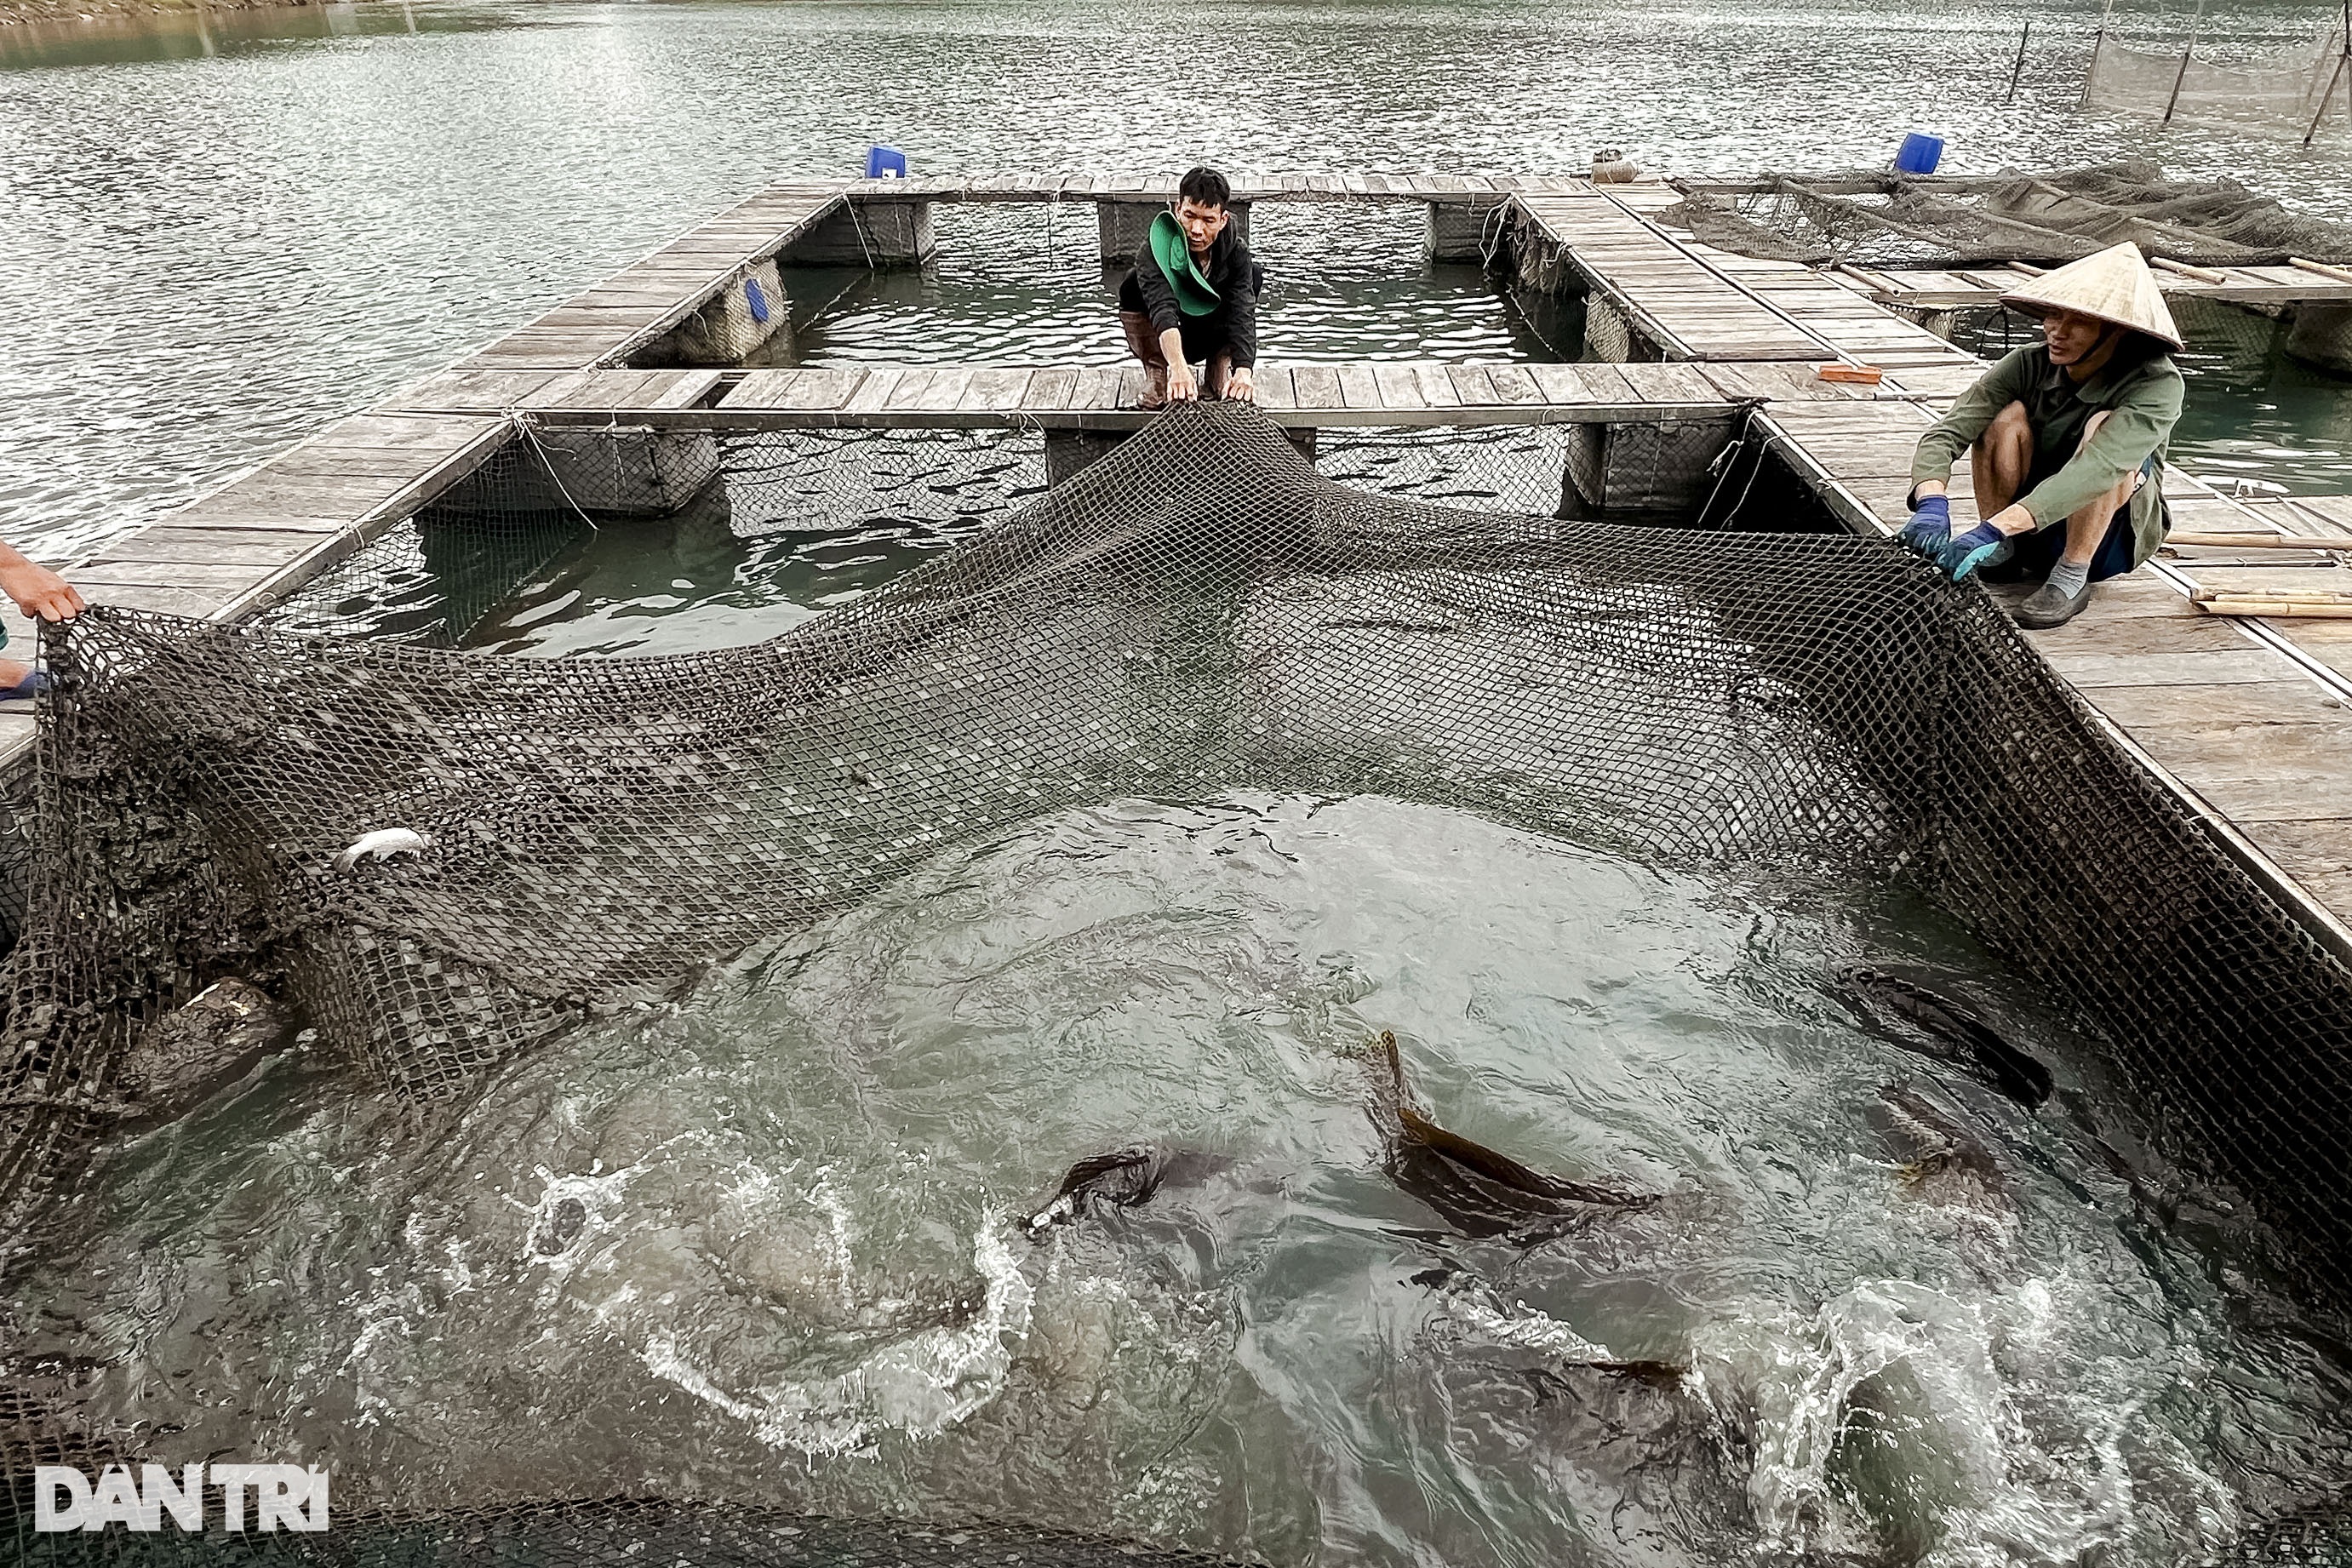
{"points": [[241, 1497]]}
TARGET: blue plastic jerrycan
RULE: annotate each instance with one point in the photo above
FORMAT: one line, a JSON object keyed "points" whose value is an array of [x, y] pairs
{"points": [[884, 163], [1919, 153]]}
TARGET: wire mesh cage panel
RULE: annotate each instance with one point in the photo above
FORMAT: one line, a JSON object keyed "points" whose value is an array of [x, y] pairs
{"points": [[835, 478]]}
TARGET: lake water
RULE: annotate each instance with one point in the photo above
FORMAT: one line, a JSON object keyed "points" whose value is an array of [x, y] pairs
{"points": [[222, 230]]}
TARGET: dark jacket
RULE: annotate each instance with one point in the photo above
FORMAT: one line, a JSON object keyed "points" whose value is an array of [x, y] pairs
{"points": [[1232, 271]]}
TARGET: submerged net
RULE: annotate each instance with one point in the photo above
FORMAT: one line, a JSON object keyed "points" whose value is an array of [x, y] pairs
{"points": [[1199, 613], [1882, 219]]}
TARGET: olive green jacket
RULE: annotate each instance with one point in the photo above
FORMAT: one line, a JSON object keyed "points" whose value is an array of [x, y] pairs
{"points": [[2145, 394]]}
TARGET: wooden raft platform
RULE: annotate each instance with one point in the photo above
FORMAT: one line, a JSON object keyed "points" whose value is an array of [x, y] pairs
{"points": [[1103, 397], [2249, 723], [648, 298]]}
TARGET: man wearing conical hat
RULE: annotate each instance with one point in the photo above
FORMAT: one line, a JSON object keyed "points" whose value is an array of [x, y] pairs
{"points": [[2066, 440]]}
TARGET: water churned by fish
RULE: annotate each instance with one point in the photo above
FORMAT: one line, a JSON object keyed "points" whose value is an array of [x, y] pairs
{"points": [[1323, 1180]]}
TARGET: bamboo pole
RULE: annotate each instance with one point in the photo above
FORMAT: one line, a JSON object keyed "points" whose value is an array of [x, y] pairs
{"points": [[2207, 540], [2343, 58], [2196, 23], [2019, 68], [2335, 274], [2272, 595], [2278, 610], [2091, 71]]}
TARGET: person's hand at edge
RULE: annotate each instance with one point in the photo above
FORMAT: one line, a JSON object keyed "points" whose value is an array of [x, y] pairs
{"points": [[1930, 525], [1240, 387], [38, 592]]}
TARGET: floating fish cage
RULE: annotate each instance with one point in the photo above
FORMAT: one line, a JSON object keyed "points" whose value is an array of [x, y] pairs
{"points": [[1425, 617]]}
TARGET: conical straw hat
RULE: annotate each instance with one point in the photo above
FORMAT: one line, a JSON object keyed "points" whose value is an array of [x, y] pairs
{"points": [[2115, 284]]}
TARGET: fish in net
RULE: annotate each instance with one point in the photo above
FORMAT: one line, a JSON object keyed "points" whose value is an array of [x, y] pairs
{"points": [[1200, 612]]}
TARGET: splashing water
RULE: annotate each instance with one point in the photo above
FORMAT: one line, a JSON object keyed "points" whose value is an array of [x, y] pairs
{"points": [[769, 1244]]}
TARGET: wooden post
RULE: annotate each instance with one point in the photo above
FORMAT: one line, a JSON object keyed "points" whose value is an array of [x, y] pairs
{"points": [[2343, 58], [2195, 23], [2091, 73], [2019, 68]]}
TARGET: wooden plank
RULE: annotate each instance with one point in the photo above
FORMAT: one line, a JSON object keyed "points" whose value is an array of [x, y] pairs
{"points": [[1437, 387], [1605, 384], [876, 392], [1559, 384], [1316, 386], [1360, 387], [1097, 389], [1669, 383], [201, 542], [1399, 387], [1473, 385], [1274, 387], [1513, 383], [947, 385], [997, 388], [759, 389], [1050, 389]]}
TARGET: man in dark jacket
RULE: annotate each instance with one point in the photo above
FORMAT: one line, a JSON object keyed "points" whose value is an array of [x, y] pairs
{"points": [[1193, 299]]}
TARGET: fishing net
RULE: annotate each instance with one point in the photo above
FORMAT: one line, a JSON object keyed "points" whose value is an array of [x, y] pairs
{"points": [[2290, 91], [1882, 219], [1199, 612], [657, 1533]]}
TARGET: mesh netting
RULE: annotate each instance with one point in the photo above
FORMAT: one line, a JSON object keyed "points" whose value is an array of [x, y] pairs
{"points": [[2283, 90], [1198, 612], [656, 1533], [1882, 219]]}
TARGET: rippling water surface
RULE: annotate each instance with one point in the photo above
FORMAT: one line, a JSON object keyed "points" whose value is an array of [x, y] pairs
{"points": [[220, 231], [781, 1242]]}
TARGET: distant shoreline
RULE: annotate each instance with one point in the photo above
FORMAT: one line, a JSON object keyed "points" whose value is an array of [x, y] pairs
{"points": [[18, 12]]}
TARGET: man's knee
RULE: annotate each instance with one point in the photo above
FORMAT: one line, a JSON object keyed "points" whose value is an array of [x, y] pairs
{"points": [[1141, 341], [2010, 436]]}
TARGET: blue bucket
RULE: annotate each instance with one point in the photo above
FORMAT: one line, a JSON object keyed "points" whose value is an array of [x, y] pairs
{"points": [[889, 163], [1919, 153]]}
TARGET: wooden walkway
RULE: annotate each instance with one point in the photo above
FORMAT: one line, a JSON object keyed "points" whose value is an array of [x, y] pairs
{"points": [[646, 298], [1103, 397], [1028, 185], [2250, 722], [1981, 288], [1694, 302]]}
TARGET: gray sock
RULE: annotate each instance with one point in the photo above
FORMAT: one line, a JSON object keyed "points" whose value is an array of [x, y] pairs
{"points": [[2068, 578]]}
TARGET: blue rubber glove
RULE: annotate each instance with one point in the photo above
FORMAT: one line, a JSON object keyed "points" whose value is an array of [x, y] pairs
{"points": [[1964, 552], [1930, 525]]}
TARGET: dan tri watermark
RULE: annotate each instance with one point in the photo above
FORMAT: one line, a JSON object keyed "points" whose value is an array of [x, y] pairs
{"points": [[241, 1497]]}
